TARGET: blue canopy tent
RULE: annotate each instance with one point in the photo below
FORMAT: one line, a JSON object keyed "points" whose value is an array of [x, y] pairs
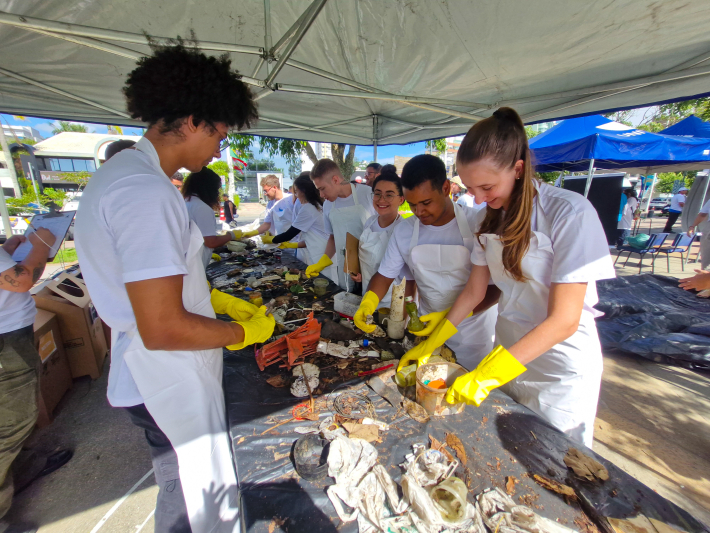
{"points": [[689, 127], [583, 143]]}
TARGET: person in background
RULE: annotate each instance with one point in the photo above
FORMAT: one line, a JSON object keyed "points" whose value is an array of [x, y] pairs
{"points": [[141, 259], [279, 209], [19, 371], [201, 192], [544, 248], [271, 187], [676, 208], [389, 168], [230, 211], [371, 172], [345, 210], [628, 214], [702, 224], [117, 146], [457, 188], [387, 196], [467, 199], [435, 247], [307, 232], [177, 180]]}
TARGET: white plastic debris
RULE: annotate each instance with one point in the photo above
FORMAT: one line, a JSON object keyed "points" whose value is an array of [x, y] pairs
{"points": [[337, 350], [308, 369], [382, 425], [502, 514], [303, 430], [299, 389], [428, 467], [322, 347]]}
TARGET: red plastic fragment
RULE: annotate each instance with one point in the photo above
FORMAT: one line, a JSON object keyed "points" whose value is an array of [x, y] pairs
{"points": [[293, 348]]}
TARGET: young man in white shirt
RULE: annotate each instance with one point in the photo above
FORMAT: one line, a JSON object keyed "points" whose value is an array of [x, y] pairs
{"points": [[469, 200], [141, 260], [345, 210], [19, 369], [676, 208]]}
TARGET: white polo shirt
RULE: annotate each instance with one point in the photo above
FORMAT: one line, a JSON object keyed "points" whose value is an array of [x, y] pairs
{"points": [[132, 225], [17, 309]]}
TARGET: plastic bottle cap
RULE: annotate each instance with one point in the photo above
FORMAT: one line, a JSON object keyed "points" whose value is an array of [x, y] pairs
{"points": [[365, 342], [408, 299]]}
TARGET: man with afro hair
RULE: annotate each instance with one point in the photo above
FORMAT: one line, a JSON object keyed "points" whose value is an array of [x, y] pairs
{"points": [[141, 260]]}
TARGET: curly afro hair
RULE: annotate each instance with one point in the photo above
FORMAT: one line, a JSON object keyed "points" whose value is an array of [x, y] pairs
{"points": [[178, 81]]}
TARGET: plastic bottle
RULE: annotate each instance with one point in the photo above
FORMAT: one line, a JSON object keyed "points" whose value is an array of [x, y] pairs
{"points": [[414, 323]]}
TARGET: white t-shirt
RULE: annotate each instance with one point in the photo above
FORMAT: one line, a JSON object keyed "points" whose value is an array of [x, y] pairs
{"points": [[580, 248], [627, 216], [676, 201], [466, 200], [204, 217], [17, 309], [398, 254], [132, 225], [284, 208], [310, 219], [364, 198]]}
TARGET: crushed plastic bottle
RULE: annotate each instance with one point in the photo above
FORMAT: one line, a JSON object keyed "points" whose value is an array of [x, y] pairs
{"points": [[414, 323]]}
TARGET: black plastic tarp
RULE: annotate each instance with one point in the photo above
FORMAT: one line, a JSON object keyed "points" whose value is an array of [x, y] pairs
{"points": [[501, 438], [650, 316]]}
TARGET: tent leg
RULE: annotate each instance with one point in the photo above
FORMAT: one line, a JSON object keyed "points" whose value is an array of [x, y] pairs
{"points": [[590, 175]]}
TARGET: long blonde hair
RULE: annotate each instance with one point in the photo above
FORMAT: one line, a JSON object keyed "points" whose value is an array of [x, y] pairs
{"points": [[502, 139]]}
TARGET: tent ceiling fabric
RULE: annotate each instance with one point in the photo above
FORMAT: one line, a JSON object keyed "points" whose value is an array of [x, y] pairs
{"points": [[456, 60]]}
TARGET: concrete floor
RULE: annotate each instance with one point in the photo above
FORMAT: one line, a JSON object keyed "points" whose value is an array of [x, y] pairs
{"points": [[652, 422]]}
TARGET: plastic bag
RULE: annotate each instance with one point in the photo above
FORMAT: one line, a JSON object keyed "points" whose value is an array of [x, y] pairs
{"points": [[500, 513], [638, 241]]}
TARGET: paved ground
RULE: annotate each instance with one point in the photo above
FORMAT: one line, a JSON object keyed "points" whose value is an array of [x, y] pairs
{"points": [[652, 422]]}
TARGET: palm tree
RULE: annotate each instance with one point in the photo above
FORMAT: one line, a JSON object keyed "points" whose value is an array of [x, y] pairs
{"points": [[64, 125]]}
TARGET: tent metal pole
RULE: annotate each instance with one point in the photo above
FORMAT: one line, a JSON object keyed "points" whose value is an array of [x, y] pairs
{"points": [[93, 43], [5, 215], [258, 67], [289, 33], [113, 35], [317, 5], [374, 137], [414, 130], [10, 163], [60, 92], [267, 34], [590, 175], [315, 128]]}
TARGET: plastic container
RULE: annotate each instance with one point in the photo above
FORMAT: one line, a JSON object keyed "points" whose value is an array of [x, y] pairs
{"points": [[382, 313], [414, 323], [320, 286], [449, 498], [433, 399], [407, 376], [346, 303], [256, 299]]}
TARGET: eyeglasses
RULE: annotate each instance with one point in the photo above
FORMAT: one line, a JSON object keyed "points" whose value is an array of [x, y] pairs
{"points": [[223, 145], [388, 196]]}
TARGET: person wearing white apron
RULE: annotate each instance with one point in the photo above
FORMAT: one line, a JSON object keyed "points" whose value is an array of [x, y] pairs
{"points": [[307, 232], [435, 246], [387, 196], [548, 356], [141, 260], [345, 210]]}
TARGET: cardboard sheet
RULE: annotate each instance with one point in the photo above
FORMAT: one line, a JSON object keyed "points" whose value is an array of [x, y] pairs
{"points": [[351, 265]]}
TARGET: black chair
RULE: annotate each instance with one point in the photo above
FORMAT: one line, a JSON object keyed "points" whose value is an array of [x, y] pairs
{"points": [[652, 248]]}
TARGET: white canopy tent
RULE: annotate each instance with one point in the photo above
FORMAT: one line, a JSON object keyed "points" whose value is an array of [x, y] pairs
{"points": [[366, 71]]}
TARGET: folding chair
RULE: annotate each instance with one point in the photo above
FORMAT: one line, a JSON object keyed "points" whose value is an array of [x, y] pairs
{"points": [[681, 245], [652, 247]]}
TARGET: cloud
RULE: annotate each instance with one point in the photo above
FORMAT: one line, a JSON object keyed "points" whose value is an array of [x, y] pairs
{"points": [[386, 160], [44, 126]]}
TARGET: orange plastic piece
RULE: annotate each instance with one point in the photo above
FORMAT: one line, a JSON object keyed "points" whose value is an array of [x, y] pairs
{"points": [[437, 384], [293, 348]]}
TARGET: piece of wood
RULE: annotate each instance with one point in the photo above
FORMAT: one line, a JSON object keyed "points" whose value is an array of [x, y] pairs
{"points": [[351, 265]]}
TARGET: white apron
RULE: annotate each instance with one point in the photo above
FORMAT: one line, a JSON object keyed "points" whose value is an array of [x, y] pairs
{"points": [[441, 272], [315, 248], [373, 245], [344, 220], [562, 385], [182, 390]]}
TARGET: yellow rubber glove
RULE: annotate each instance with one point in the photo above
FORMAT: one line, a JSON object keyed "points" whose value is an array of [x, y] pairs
{"points": [[313, 270], [237, 234], [285, 245], [432, 320], [226, 304], [498, 368], [216, 257], [267, 239], [256, 329], [251, 233], [422, 351], [368, 305]]}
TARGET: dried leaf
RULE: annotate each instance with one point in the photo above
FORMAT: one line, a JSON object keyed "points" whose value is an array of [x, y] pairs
{"points": [[440, 447], [276, 522], [510, 482], [585, 466], [554, 486], [415, 411], [278, 456], [279, 381], [455, 444], [367, 432]]}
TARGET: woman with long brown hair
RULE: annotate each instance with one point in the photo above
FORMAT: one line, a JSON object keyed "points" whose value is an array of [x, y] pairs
{"points": [[544, 248]]}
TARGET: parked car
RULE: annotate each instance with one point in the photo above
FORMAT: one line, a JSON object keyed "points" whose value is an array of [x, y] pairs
{"points": [[659, 205]]}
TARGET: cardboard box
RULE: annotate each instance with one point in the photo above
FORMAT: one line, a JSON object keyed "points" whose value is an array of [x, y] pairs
{"points": [[54, 376], [81, 329]]}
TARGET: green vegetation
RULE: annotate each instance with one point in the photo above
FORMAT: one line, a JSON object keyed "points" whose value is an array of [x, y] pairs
{"points": [[63, 125], [67, 255], [18, 206], [220, 167]]}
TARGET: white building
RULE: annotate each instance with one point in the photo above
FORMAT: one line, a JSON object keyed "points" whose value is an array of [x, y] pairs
{"points": [[322, 151], [21, 132]]}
